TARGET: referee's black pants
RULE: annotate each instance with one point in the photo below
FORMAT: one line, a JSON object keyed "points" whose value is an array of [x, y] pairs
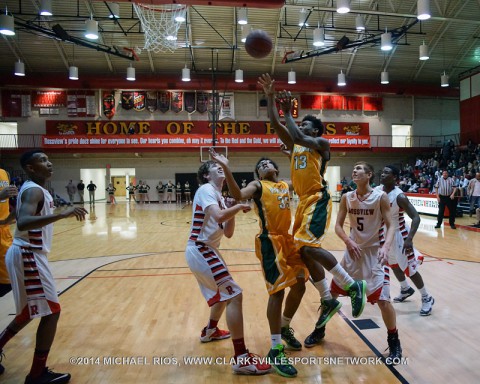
{"points": [[452, 207]]}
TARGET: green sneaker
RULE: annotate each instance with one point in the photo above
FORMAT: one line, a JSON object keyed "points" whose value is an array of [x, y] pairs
{"points": [[357, 292], [329, 308], [289, 338], [279, 362]]}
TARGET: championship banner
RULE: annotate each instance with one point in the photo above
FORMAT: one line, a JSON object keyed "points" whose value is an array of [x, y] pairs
{"points": [[177, 101], [139, 101], [189, 101], [109, 104], [152, 101], [185, 141], [372, 103], [227, 107], [49, 99], [202, 102], [127, 100], [164, 100], [16, 103], [79, 103]]}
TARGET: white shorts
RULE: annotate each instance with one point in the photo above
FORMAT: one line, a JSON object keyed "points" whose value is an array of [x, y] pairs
{"points": [[32, 282], [367, 268], [407, 262], [211, 272]]}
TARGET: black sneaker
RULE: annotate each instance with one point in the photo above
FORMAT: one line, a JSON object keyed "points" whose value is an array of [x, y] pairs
{"points": [[48, 376], [279, 362], [289, 338], [357, 292], [315, 337], [395, 350], [404, 294], [2, 368], [328, 309]]}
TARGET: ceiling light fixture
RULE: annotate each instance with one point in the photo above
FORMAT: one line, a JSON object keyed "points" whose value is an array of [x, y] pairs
{"points": [[423, 52], [46, 8], [73, 72], [19, 68], [7, 24], [341, 79], [186, 73], [91, 30], [423, 10], [343, 6], [246, 29], [386, 41], [359, 23], [302, 18], [384, 78], [444, 80], [239, 76], [114, 10], [131, 73], [242, 16], [292, 77], [319, 37]]}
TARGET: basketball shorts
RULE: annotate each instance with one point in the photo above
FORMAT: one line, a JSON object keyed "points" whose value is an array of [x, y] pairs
{"points": [[211, 272], [312, 220], [5, 243], [32, 282], [281, 263], [407, 262], [367, 268]]}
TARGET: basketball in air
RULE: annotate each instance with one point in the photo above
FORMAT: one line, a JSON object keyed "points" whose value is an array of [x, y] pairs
{"points": [[258, 44]]}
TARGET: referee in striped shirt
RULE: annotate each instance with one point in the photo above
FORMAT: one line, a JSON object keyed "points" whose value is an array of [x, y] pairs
{"points": [[446, 189]]}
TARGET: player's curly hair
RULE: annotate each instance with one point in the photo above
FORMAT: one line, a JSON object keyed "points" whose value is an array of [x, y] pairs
{"points": [[263, 159], [317, 123], [203, 171]]}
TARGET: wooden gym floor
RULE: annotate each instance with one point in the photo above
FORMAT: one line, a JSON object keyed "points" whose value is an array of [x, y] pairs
{"points": [[132, 311]]}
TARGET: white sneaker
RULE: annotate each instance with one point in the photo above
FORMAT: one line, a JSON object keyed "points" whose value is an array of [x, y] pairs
{"points": [[427, 304], [251, 364]]}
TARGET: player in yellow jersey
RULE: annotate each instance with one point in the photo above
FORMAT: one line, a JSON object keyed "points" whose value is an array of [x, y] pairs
{"points": [[310, 154], [281, 263]]}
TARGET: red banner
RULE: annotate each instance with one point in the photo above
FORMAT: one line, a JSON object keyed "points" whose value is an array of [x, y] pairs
{"points": [[178, 128], [190, 141], [49, 99]]}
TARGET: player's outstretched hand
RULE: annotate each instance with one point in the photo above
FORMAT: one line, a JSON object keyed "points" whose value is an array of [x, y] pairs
{"points": [[219, 158], [78, 212], [284, 98], [267, 83]]}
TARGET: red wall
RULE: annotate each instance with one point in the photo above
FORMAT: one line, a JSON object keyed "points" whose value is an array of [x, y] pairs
{"points": [[470, 120]]}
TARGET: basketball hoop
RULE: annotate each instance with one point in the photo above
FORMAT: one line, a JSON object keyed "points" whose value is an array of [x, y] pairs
{"points": [[160, 23], [205, 153]]}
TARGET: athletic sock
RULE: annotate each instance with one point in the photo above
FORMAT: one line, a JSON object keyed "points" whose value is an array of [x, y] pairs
{"points": [[323, 289], [276, 339], [239, 346], [341, 275]]}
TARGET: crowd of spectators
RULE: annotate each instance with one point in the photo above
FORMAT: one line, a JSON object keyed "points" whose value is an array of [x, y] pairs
{"points": [[461, 162]]}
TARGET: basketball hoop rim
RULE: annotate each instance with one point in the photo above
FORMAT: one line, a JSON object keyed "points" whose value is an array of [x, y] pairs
{"points": [[162, 10]]}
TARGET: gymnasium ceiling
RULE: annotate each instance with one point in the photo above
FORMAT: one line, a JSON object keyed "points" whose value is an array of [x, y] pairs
{"points": [[209, 43]]}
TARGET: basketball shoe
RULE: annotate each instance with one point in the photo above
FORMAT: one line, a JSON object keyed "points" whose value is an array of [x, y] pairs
{"points": [[395, 350], [213, 334], [328, 308], [250, 364], [357, 291], [48, 376], [2, 368], [289, 338], [315, 337], [427, 304], [278, 360], [404, 294]]}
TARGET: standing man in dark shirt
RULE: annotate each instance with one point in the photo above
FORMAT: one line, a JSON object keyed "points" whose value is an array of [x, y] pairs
{"points": [[81, 190], [445, 190], [91, 192]]}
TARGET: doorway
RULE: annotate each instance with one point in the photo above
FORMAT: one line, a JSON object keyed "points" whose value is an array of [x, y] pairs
{"points": [[120, 183]]}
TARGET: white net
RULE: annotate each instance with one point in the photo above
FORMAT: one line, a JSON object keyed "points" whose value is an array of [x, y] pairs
{"points": [[160, 23]]}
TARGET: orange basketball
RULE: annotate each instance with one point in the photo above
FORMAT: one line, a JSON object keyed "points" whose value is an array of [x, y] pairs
{"points": [[258, 44]]}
